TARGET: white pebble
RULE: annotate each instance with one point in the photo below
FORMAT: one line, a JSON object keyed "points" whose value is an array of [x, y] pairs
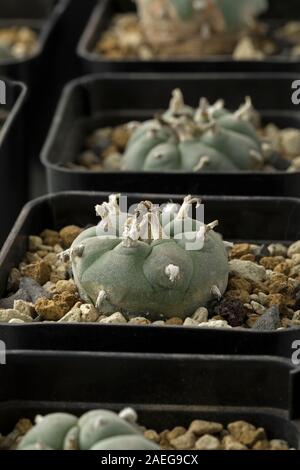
{"points": [[26, 308], [16, 321], [190, 322], [88, 313], [294, 249], [208, 442], [248, 270], [11, 314], [116, 317], [259, 309], [277, 249], [215, 324], [201, 315]]}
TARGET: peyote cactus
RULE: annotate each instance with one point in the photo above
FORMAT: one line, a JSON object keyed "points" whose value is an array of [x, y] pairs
{"points": [[95, 430], [207, 139], [151, 263], [169, 21]]}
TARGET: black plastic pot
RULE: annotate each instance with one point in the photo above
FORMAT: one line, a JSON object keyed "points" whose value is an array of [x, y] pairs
{"points": [[38, 70], [110, 100], [40, 15], [106, 9], [165, 390], [13, 187], [240, 219]]}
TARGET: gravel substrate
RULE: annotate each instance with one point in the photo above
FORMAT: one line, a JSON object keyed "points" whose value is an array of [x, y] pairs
{"points": [[263, 291], [125, 39], [200, 435], [17, 42], [104, 147]]}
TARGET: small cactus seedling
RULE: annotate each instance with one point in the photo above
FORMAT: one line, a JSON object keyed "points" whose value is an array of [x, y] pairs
{"points": [[209, 138], [151, 263], [95, 430], [171, 21]]}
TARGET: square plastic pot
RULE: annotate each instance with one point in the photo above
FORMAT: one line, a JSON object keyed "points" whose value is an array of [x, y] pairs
{"points": [[241, 219], [109, 100], [106, 9]]}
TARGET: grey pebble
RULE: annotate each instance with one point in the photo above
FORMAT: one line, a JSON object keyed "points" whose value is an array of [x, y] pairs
{"points": [[269, 321], [34, 289], [263, 251], [30, 291]]}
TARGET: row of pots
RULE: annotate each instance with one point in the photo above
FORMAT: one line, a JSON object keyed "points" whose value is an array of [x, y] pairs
{"points": [[166, 391], [81, 27]]}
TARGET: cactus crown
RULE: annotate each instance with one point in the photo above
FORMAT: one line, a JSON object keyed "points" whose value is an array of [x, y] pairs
{"points": [[153, 262], [209, 138], [95, 430]]}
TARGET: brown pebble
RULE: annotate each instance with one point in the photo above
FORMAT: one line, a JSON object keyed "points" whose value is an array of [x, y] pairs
{"points": [[231, 444], [269, 262], [56, 308], [66, 286], [248, 257], [200, 427], [174, 321], [139, 321], [252, 319], [120, 137], [241, 295], [246, 433], [176, 432], [184, 442], [112, 149], [262, 445], [286, 323], [240, 249], [152, 435], [278, 444], [278, 299], [163, 439], [238, 283], [23, 426], [39, 271], [50, 237], [284, 267], [69, 234]]}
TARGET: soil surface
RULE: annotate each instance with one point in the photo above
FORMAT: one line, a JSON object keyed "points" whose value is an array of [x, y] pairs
{"points": [[125, 39], [17, 42], [200, 435]]}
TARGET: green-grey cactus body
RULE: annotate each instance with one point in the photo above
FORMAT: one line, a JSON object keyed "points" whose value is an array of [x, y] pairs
{"points": [[239, 13], [207, 139], [156, 264], [95, 430]]}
